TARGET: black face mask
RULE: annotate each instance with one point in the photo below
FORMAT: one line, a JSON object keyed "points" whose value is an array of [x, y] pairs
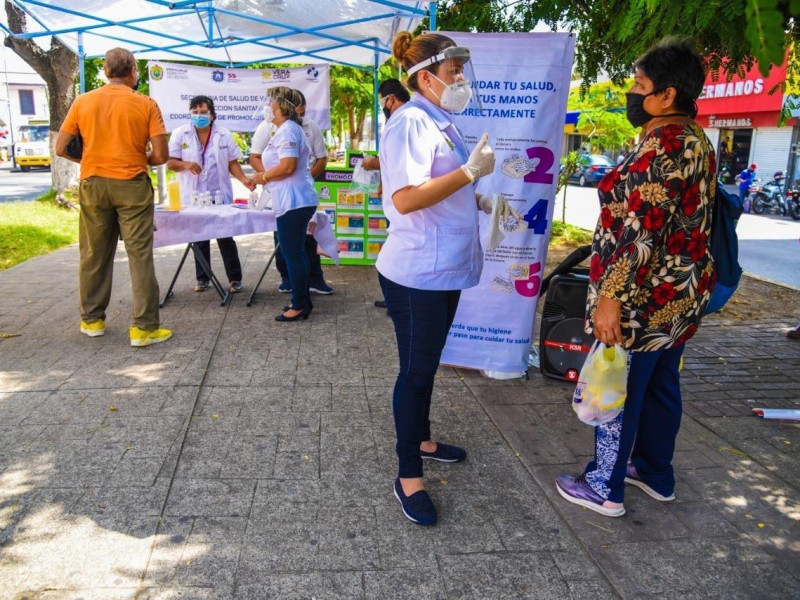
{"points": [[634, 109], [387, 113]]}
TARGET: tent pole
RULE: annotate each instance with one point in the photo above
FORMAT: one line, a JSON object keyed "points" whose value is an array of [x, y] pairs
{"points": [[81, 60], [375, 105], [432, 11]]}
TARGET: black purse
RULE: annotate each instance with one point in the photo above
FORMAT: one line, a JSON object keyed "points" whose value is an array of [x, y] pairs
{"points": [[75, 147]]}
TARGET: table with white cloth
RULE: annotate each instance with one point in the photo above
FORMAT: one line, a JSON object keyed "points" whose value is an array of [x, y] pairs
{"points": [[195, 224]]}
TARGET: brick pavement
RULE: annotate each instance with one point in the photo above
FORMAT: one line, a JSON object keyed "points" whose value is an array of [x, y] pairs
{"points": [[252, 459]]}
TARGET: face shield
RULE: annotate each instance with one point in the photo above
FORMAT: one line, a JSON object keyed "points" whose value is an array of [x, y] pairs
{"points": [[453, 68]]}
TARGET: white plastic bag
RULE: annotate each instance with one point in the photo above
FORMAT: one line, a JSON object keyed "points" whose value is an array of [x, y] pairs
{"points": [[602, 385], [264, 200], [364, 180]]}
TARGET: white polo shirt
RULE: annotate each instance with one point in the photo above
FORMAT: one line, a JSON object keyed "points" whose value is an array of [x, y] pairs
{"points": [[316, 143], [213, 159], [297, 190], [433, 248]]}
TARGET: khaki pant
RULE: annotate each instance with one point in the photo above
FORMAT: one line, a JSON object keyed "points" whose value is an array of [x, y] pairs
{"points": [[110, 207]]}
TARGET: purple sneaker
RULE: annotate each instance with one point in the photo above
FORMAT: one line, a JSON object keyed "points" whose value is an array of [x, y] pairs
{"points": [[632, 477], [577, 491]]}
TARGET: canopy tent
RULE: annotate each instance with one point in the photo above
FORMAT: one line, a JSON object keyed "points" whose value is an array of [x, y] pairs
{"points": [[227, 32], [233, 33]]}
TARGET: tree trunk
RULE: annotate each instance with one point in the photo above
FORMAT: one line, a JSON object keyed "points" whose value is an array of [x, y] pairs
{"points": [[351, 123], [58, 66], [360, 128]]}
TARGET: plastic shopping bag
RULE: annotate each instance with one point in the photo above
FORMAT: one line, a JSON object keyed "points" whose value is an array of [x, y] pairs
{"points": [[365, 181], [602, 384]]}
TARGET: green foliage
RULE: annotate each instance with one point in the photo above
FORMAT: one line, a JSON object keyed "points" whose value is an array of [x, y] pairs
{"points": [[352, 98], [29, 229], [569, 163], [603, 119], [563, 234], [612, 34]]}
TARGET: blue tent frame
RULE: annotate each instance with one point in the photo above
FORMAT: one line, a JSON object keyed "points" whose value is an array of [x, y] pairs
{"points": [[214, 38]]}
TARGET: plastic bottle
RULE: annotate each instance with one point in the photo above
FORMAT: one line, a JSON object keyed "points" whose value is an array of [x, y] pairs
{"points": [[174, 194]]}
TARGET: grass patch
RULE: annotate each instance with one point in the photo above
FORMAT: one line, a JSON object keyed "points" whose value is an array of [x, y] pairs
{"points": [[563, 234], [29, 229]]}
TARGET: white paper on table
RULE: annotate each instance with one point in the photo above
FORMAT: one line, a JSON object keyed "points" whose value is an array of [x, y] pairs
{"points": [[787, 414]]}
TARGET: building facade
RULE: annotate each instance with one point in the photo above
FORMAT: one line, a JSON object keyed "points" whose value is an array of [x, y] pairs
{"points": [[741, 117], [23, 96]]}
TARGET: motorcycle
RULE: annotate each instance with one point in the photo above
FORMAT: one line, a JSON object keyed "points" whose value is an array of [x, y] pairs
{"points": [[793, 202], [769, 196]]}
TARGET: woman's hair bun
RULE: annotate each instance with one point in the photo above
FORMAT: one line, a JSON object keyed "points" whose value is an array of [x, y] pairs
{"points": [[402, 42]]}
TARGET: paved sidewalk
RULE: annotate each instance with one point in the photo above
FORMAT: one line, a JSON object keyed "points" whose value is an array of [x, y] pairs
{"points": [[247, 458]]}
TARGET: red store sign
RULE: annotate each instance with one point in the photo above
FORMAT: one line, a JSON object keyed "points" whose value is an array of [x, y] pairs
{"points": [[742, 101]]}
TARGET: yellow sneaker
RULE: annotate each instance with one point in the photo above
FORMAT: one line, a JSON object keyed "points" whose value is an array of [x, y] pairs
{"points": [[142, 337], [94, 329]]}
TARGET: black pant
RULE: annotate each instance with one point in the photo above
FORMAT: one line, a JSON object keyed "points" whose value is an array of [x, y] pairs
{"points": [[422, 319], [315, 276], [230, 258]]}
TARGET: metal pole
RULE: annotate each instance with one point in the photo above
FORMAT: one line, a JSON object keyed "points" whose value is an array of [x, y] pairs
{"points": [[432, 11], [10, 115], [375, 105], [81, 57]]}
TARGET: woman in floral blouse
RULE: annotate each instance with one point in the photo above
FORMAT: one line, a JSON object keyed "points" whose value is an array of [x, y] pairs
{"points": [[651, 276]]}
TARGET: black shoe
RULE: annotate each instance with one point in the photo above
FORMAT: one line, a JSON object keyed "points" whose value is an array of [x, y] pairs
{"points": [[445, 453], [417, 507], [303, 314], [379, 304]]}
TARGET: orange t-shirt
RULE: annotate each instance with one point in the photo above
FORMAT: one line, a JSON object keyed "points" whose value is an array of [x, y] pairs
{"points": [[116, 123]]}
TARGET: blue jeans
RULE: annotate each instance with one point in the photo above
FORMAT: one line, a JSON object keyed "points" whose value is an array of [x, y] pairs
{"points": [[645, 430], [230, 258], [315, 275], [422, 319], [292, 237]]}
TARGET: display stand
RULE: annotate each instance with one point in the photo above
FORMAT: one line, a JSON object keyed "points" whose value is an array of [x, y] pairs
{"points": [[223, 293], [357, 217]]}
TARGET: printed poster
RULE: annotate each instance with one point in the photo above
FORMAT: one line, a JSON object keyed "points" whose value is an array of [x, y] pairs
{"points": [[238, 94], [523, 83]]}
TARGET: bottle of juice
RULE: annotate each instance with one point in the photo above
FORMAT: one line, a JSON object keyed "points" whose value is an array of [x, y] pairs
{"points": [[174, 193]]}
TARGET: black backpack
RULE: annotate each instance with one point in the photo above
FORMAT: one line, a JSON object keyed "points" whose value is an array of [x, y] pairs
{"points": [[724, 247]]}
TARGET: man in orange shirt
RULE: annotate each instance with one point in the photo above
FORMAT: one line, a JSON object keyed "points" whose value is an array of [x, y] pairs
{"points": [[116, 195]]}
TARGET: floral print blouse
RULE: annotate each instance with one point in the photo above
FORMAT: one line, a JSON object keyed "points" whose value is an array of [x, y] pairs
{"points": [[651, 245]]}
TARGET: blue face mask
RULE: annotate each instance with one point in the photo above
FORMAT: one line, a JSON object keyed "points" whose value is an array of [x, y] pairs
{"points": [[201, 121]]}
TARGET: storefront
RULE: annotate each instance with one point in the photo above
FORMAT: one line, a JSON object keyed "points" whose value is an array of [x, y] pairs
{"points": [[740, 117]]}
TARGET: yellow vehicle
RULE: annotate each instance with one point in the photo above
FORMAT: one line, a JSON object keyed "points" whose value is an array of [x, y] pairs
{"points": [[32, 147]]}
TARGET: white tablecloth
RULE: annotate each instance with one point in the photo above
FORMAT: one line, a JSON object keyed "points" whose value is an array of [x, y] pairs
{"points": [[193, 224]]}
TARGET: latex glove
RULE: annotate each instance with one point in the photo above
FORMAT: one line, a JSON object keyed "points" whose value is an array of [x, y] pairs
{"points": [[481, 161], [497, 203]]}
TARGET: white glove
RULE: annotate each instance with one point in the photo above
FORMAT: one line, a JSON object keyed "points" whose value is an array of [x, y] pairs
{"points": [[481, 161], [497, 203]]}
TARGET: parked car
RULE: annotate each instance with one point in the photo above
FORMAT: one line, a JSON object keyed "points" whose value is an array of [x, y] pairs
{"points": [[593, 168]]}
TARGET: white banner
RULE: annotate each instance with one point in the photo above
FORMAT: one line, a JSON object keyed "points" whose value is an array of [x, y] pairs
{"points": [[238, 94], [523, 83]]}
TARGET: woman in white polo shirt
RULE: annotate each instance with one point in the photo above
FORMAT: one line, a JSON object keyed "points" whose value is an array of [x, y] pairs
{"points": [[432, 252], [294, 200]]}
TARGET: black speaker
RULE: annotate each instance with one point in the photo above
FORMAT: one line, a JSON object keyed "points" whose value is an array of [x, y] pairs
{"points": [[563, 345]]}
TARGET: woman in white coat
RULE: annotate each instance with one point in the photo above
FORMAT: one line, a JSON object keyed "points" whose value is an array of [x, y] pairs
{"points": [[432, 251]]}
